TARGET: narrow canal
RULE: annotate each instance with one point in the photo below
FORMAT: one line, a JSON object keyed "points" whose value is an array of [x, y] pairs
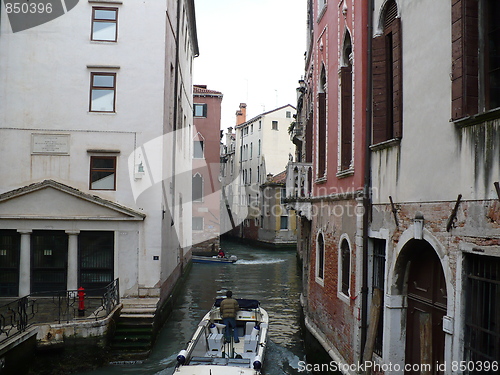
{"points": [[271, 276]]}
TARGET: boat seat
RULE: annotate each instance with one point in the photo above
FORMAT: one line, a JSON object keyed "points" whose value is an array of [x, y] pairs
{"points": [[251, 338], [215, 342]]}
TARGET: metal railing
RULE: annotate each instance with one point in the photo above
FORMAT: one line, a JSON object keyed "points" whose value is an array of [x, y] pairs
{"points": [[18, 315]]}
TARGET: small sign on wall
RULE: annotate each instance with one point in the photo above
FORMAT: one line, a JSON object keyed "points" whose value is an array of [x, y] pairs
{"points": [[50, 144]]}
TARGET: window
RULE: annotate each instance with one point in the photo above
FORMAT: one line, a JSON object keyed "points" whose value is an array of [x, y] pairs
{"points": [[260, 125], [251, 151], [387, 79], [346, 106], [320, 257], [197, 188], [103, 173], [345, 272], [197, 223], [475, 57], [104, 24], [102, 92], [288, 114], [198, 151], [378, 277], [482, 315], [283, 195], [259, 149], [275, 125], [321, 153], [284, 222], [200, 110]]}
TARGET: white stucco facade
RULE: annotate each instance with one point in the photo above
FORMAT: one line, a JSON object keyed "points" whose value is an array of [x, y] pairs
{"points": [[50, 130]]}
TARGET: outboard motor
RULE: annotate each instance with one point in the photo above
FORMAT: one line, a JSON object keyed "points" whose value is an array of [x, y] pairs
{"points": [[181, 357]]}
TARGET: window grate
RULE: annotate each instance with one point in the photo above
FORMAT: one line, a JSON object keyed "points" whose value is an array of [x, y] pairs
{"points": [[482, 326]]}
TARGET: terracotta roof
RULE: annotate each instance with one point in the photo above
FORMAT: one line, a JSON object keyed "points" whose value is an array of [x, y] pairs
{"points": [[277, 179], [201, 90]]}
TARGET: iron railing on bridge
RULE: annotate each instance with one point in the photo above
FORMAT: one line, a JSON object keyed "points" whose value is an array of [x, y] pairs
{"points": [[56, 307]]}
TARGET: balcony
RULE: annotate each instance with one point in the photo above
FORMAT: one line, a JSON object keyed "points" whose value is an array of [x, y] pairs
{"points": [[299, 187]]}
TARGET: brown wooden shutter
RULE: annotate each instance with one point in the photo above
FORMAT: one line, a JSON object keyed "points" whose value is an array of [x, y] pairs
{"points": [[464, 58], [397, 79], [346, 117], [379, 71], [321, 134]]}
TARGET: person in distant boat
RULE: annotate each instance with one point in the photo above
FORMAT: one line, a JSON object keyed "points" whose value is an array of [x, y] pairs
{"points": [[221, 254], [228, 309]]}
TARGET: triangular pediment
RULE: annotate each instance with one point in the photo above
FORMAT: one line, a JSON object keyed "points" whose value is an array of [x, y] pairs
{"points": [[52, 200]]}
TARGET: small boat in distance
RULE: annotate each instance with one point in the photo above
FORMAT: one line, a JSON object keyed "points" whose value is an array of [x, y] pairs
{"points": [[214, 259], [208, 353]]}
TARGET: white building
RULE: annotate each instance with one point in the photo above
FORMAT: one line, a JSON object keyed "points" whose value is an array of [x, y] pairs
{"points": [[263, 147], [95, 116]]}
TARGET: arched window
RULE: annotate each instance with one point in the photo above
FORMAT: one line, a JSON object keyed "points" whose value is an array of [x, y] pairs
{"points": [[197, 188], [387, 78], [345, 264], [321, 154], [320, 257], [346, 105]]}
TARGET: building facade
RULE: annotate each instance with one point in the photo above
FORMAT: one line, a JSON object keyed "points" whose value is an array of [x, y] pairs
{"points": [[434, 233], [89, 194], [423, 253], [206, 169], [262, 147]]}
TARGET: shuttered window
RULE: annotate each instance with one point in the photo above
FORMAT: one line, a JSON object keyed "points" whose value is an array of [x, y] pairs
{"points": [[346, 117], [321, 134], [387, 79], [475, 57]]}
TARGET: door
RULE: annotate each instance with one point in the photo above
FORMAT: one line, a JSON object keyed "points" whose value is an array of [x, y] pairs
{"points": [[426, 307], [96, 260], [10, 244], [49, 261]]}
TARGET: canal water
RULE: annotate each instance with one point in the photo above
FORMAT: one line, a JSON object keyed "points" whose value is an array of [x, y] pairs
{"points": [[270, 276]]}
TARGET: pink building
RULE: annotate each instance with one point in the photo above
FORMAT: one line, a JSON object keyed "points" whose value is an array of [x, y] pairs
{"points": [[206, 161], [325, 182]]}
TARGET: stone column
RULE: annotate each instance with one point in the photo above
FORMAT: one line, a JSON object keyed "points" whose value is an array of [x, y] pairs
{"points": [[25, 263], [72, 259]]}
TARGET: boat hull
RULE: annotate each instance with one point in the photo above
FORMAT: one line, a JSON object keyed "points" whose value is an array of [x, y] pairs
{"points": [[204, 259]]}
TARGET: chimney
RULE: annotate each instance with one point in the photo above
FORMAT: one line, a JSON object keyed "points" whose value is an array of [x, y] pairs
{"points": [[241, 114]]}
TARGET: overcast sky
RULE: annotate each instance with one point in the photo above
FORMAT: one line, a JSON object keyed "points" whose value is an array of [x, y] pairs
{"points": [[252, 51]]}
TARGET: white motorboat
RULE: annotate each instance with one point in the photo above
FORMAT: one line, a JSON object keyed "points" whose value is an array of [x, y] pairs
{"points": [[207, 353], [214, 259]]}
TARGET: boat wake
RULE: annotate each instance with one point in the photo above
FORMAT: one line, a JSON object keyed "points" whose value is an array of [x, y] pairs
{"points": [[259, 261]]}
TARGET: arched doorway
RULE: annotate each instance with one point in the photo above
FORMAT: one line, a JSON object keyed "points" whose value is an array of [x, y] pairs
{"points": [[426, 291]]}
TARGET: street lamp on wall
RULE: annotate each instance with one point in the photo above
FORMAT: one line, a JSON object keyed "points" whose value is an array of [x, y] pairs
{"points": [[418, 226]]}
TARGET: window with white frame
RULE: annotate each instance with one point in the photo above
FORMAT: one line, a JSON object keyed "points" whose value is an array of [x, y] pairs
{"points": [[345, 264], [198, 150], [197, 223], [197, 188]]}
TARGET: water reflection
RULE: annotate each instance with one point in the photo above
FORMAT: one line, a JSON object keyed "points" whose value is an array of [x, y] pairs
{"points": [[271, 276]]}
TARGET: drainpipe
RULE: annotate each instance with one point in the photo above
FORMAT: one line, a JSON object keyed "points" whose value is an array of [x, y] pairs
{"points": [[367, 180]]}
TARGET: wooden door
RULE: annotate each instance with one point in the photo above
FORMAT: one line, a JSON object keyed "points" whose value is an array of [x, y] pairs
{"points": [[426, 301]]}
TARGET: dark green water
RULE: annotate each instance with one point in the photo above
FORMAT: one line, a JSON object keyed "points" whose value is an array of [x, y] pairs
{"points": [[271, 276]]}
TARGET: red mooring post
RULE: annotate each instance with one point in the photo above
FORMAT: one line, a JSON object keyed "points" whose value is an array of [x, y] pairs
{"points": [[81, 301]]}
